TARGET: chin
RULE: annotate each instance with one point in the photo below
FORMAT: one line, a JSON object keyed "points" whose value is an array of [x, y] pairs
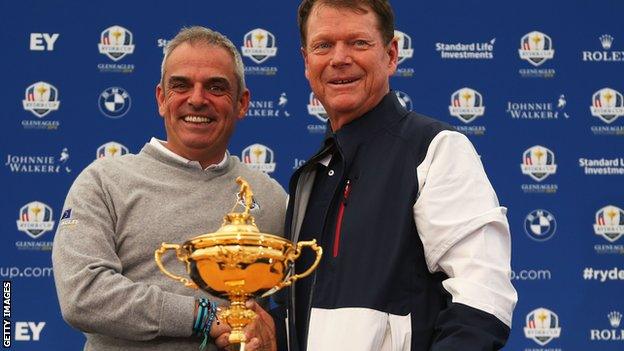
{"points": [[345, 102], [197, 144]]}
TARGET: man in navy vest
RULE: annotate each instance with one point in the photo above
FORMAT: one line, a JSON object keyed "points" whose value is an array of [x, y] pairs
{"points": [[417, 248]]}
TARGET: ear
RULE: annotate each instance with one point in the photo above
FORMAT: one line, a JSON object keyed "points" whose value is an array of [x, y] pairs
{"points": [[160, 99], [393, 54], [243, 104], [305, 62]]}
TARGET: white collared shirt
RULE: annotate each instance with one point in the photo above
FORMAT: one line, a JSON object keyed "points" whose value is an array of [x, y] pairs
{"points": [[160, 146]]}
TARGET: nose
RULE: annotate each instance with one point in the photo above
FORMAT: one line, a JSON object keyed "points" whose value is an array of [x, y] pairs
{"points": [[197, 99], [341, 55]]}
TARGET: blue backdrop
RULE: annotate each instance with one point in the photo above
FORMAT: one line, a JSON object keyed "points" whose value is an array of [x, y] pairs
{"points": [[536, 85]]}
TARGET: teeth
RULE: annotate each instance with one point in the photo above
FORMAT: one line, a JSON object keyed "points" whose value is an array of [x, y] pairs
{"points": [[197, 119], [343, 81]]}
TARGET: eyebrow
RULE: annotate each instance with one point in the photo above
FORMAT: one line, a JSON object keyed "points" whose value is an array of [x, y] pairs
{"points": [[177, 79], [211, 80], [343, 36]]}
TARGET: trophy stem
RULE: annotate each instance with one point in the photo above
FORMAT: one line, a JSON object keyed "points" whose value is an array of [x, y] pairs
{"points": [[237, 316]]}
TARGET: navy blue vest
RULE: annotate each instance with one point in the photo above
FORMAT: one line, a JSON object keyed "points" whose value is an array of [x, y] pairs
{"points": [[363, 217]]}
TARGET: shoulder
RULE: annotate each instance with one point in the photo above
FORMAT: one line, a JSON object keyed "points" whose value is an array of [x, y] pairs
{"points": [[107, 169], [417, 126], [448, 145], [418, 132]]}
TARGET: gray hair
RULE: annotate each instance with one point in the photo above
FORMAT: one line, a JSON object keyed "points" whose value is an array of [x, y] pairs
{"points": [[208, 36]]}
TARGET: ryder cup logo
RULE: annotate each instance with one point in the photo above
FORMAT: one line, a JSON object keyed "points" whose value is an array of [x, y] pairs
{"points": [[536, 48], [540, 225], [116, 42], [609, 223], [41, 98], [111, 149], [259, 45], [542, 325], [538, 162], [404, 99], [466, 104], [405, 46], [607, 104], [35, 219], [259, 157], [316, 109], [114, 102]]}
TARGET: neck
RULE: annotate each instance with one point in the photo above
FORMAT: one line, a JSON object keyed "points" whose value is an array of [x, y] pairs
{"points": [[202, 157], [339, 121], [214, 161]]}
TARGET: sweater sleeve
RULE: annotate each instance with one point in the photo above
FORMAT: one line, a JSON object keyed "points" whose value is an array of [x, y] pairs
{"points": [[465, 234], [93, 292]]}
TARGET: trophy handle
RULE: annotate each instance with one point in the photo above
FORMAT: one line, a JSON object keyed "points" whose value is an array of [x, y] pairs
{"points": [[293, 278], [182, 257]]}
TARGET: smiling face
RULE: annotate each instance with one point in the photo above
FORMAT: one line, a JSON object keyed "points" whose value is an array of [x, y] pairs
{"points": [[346, 61], [200, 101]]}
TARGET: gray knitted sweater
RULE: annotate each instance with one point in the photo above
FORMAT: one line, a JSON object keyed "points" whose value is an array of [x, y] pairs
{"points": [[118, 211]]}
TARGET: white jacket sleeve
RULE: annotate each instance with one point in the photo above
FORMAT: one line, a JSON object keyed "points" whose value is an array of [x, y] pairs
{"points": [[463, 229]]}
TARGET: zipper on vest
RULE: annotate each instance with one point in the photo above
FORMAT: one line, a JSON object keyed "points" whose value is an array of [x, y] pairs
{"points": [[341, 209]]}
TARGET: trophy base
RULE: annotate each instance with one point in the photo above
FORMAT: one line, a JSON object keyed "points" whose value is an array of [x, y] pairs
{"points": [[237, 337], [237, 347]]}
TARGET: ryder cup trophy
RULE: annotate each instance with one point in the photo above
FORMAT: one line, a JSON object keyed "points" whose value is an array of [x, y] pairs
{"points": [[238, 262]]}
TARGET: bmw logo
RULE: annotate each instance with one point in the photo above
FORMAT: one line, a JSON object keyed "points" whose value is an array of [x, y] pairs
{"points": [[114, 102], [540, 225]]}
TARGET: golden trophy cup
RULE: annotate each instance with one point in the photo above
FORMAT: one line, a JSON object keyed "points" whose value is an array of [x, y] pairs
{"points": [[238, 262]]}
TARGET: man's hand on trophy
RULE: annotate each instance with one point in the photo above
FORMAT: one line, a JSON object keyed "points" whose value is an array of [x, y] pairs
{"points": [[260, 333], [220, 333]]}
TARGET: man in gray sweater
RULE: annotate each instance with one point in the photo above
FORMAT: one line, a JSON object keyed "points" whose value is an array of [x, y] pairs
{"points": [[119, 210]]}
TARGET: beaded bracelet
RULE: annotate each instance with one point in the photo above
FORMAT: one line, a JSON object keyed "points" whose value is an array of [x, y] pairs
{"points": [[205, 314]]}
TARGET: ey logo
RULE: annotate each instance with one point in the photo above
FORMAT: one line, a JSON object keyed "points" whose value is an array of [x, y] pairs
{"points": [[43, 41], [26, 331]]}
